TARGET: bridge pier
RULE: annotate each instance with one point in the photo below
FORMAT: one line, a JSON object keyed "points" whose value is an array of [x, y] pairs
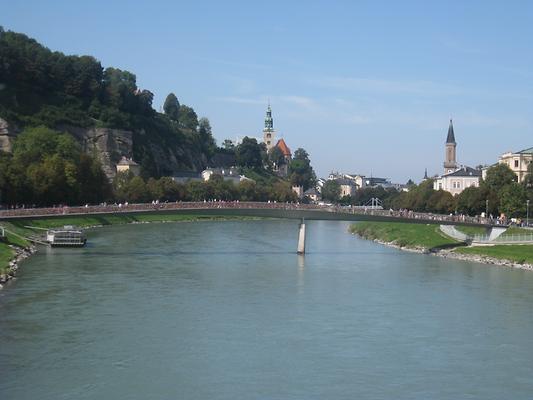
{"points": [[301, 238]]}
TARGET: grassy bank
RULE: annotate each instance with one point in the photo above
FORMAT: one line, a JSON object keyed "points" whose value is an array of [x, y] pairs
{"points": [[429, 237], [414, 236], [520, 254], [6, 254], [20, 227]]}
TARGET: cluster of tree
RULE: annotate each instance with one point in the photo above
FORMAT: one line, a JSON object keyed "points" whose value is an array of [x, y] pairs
{"points": [[41, 87], [135, 189], [252, 155], [49, 168], [499, 193]]}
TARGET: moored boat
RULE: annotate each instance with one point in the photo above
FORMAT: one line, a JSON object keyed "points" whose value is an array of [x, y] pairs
{"points": [[68, 236]]}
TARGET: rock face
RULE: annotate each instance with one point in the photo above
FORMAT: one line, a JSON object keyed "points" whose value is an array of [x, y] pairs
{"points": [[6, 136], [109, 145]]}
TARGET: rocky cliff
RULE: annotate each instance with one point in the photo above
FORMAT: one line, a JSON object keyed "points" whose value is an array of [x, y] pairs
{"points": [[7, 134], [109, 145]]}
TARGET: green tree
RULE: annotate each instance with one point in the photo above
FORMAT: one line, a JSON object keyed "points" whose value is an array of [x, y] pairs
{"points": [[228, 145], [248, 191], [154, 189], [188, 118], [282, 191], [300, 171], [248, 153], [207, 140], [276, 157], [331, 191], [528, 180], [136, 191], [498, 176], [171, 191], [198, 191], [513, 200], [172, 107]]}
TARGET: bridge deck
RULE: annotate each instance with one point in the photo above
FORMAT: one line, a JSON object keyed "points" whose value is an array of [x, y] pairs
{"points": [[252, 209]]}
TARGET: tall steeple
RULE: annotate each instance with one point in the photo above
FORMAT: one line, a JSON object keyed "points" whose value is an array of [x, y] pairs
{"points": [[426, 174], [451, 135], [450, 161], [269, 133]]}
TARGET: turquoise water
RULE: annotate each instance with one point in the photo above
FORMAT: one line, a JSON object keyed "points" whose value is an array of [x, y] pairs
{"points": [[227, 310]]}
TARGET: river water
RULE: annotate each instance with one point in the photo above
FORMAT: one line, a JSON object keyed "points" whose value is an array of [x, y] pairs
{"points": [[227, 310]]}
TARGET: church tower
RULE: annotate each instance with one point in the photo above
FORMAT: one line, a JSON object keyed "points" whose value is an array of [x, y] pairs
{"points": [[450, 163], [269, 133]]}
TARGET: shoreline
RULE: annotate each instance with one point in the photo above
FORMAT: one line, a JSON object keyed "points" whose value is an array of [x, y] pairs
{"points": [[23, 253], [449, 253]]}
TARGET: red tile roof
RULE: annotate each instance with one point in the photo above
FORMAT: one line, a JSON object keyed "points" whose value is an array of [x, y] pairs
{"points": [[284, 148]]}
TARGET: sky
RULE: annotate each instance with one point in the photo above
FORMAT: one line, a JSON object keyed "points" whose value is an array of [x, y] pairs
{"points": [[365, 87]]}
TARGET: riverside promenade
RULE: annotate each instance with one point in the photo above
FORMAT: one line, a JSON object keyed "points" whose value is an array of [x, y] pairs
{"points": [[253, 209]]}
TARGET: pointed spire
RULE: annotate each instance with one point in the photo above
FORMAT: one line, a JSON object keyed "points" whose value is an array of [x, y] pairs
{"points": [[426, 174], [451, 135]]}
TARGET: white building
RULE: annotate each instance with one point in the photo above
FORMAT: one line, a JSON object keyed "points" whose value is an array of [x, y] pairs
{"points": [[228, 174], [455, 179], [455, 182], [518, 162]]}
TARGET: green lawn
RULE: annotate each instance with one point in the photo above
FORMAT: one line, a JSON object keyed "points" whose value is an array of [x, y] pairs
{"points": [[404, 235], [518, 231], [517, 253], [6, 254]]}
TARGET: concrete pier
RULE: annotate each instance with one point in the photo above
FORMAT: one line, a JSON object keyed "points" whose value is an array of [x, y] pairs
{"points": [[301, 238]]}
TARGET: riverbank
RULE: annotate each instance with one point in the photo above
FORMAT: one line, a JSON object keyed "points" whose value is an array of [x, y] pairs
{"points": [[428, 239], [15, 248]]}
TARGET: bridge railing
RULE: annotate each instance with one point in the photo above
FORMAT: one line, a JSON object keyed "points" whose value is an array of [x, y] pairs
{"points": [[505, 238], [124, 208]]}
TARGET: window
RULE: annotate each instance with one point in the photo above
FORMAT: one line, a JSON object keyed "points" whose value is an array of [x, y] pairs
{"points": [[516, 163]]}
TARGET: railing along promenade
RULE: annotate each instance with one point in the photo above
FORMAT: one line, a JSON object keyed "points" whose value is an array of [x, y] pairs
{"points": [[286, 210]]}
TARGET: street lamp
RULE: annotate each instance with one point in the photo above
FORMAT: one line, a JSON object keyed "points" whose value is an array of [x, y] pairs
{"points": [[487, 208], [527, 212]]}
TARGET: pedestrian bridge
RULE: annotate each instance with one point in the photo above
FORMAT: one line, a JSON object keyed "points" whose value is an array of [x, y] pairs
{"points": [[299, 212]]}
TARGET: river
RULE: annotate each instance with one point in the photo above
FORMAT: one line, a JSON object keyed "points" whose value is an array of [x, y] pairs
{"points": [[227, 310]]}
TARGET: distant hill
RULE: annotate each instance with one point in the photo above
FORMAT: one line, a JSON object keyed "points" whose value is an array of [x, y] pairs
{"points": [[101, 107]]}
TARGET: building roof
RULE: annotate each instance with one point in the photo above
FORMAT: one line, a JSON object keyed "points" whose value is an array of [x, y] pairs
{"points": [[126, 161], [344, 181], [464, 171], [283, 148], [311, 191], [451, 135], [526, 151], [186, 174]]}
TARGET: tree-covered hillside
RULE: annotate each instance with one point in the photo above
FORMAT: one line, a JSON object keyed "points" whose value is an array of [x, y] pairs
{"points": [[40, 87]]}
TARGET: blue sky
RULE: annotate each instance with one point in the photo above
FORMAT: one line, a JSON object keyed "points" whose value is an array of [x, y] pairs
{"points": [[364, 87]]}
